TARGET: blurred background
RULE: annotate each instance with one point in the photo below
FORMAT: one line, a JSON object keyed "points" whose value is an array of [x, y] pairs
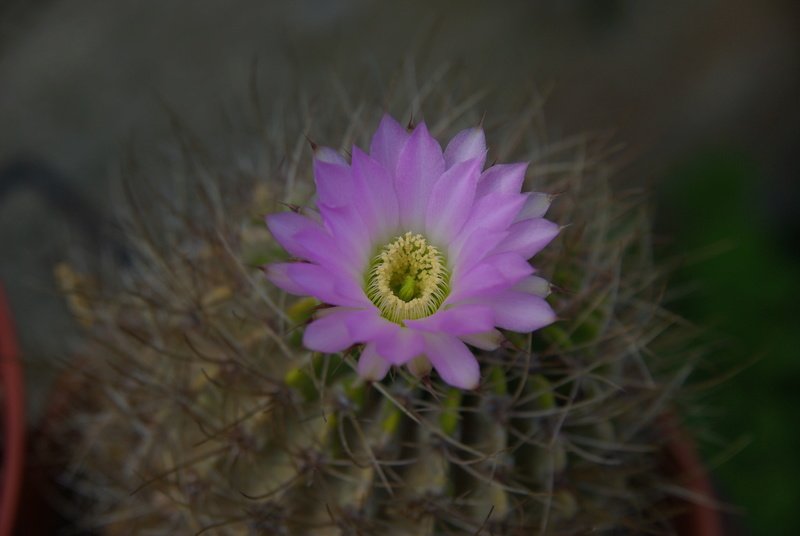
{"points": [[704, 95]]}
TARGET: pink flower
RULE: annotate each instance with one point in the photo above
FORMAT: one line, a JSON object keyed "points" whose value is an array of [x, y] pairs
{"points": [[418, 253]]}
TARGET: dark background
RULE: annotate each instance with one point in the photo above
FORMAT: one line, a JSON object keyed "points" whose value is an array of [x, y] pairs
{"points": [[704, 93]]}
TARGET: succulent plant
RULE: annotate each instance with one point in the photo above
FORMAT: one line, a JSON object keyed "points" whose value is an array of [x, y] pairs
{"points": [[200, 411]]}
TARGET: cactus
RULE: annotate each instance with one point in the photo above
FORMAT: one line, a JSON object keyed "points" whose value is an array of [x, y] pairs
{"points": [[200, 412]]}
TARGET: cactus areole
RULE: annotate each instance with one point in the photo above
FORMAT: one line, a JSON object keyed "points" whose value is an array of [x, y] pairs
{"points": [[418, 252]]}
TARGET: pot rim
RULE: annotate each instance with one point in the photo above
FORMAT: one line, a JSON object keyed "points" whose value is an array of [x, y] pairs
{"points": [[13, 429]]}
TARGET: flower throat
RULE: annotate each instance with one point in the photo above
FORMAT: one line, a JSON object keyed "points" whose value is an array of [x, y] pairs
{"points": [[408, 279]]}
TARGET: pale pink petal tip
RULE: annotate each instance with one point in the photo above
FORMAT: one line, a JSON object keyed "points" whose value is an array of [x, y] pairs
{"points": [[536, 206], [489, 341], [420, 366], [535, 285], [329, 156], [371, 366], [467, 145]]}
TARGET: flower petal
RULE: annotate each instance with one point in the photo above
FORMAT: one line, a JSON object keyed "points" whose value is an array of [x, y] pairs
{"points": [[492, 275], [370, 326], [502, 178], [349, 233], [490, 215], [277, 273], [452, 360], [388, 142], [460, 320], [285, 226], [420, 366], [528, 237], [485, 341], [334, 183], [371, 366], [466, 145], [419, 165], [310, 213], [326, 285], [451, 200], [535, 206], [476, 247], [331, 156], [325, 334], [322, 248], [377, 201], [534, 285], [405, 344], [519, 311], [495, 210]]}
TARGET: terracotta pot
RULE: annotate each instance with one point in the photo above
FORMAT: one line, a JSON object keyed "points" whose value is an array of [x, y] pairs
{"points": [[699, 516], [12, 398]]}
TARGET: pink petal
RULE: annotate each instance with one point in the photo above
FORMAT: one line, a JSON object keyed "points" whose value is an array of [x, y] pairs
{"points": [[405, 344], [502, 178], [350, 234], [326, 285], [466, 145], [451, 200], [460, 320], [514, 267], [420, 164], [519, 311], [368, 325], [452, 360], [473, 249], [320, 247], [482, 279], [492, 275], [277, 273], [371, 366], [528, 237], [375, 196], [485, 341], [388, 142], [495, 210], [490, 214], [328, 334], [535, 206], [285, 226], [347, 327], [334, 183]]}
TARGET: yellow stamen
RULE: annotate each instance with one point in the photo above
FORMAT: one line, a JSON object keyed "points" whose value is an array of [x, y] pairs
{"points": [[408, 279]]}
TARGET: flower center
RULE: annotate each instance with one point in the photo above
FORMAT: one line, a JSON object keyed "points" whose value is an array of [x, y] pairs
{"points": [[408, 279]]}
